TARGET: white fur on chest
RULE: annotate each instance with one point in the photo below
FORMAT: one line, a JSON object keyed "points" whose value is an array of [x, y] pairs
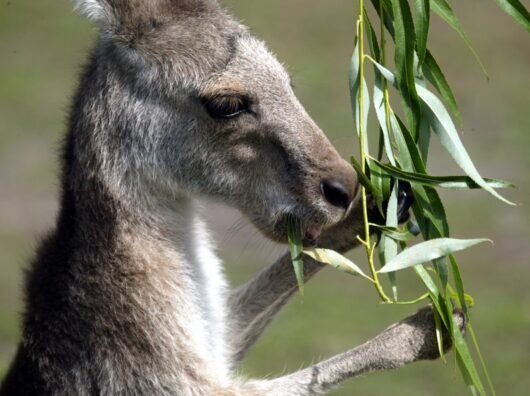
{"points": [[201, 309], [210, 287]]}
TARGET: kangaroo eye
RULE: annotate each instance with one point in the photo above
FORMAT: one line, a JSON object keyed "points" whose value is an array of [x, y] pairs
{"points": [[225, 106]]}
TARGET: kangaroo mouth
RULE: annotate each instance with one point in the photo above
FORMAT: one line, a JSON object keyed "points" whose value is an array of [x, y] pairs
{"points": [[311, 235], [310, 229]]}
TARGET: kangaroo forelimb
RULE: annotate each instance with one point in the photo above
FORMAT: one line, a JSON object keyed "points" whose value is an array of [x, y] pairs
{"points": [[253, 305], [405, 342]]}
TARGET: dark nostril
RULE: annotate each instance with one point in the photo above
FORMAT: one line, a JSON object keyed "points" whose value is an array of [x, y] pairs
{"points": [[336, 193]]}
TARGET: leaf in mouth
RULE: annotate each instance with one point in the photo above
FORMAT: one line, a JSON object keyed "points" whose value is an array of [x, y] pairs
{"points": [[294, 235]]}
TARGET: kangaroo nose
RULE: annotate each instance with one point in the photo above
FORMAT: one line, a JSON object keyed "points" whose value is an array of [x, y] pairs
{"points": [[336, 193]]}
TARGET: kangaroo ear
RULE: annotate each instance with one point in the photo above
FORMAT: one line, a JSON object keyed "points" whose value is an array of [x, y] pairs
{"points": [[95, 10], [114, 11]]}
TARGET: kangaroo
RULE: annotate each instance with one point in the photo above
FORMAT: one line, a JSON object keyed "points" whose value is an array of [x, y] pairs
{"points": [[126, 295]]}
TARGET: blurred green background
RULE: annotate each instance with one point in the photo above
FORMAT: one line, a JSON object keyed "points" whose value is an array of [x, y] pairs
{"points": [[43, 44]]}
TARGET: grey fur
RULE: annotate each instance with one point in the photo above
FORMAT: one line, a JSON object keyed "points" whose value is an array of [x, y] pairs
{"points": [[125, 296]]}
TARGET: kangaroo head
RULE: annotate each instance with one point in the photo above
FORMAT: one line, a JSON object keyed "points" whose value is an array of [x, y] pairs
{"points": [[202, 107]]}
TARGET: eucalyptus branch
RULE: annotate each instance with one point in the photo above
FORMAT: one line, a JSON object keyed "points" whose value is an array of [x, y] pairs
{"points": [[425, 113]]}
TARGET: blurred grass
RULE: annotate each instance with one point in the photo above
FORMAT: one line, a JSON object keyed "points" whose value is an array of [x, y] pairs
{"points": [[42, 45]]}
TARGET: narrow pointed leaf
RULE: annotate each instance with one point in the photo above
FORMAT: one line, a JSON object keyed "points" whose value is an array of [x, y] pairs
{"points": [[424, 136], [517, 11], [365, 181], [439, 334], [436, 297], [404, 59], [444, 10], [361, 120], [380, 111], [372, 38], [434, 74], [395, 233], [466, 359], [427, 251], [381, 182], [452, 182], [391, 245], [481, 359], [459, 285], [295, 246], [336, 260], [445, 129], [387, 15], [423, 13], [466, 376]]}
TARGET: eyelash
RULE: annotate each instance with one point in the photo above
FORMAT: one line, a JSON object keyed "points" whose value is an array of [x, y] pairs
{"points": [[226, 107]]}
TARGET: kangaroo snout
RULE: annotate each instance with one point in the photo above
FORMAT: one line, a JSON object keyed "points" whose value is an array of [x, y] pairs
{"points": [[336, 178], [336, 193], [340, 188]]}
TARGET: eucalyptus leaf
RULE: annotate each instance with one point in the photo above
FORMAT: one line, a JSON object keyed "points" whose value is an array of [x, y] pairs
{"points": [[404, 60], [395, 233], [444, 11], [445, 129], [517, 11], [459, 285], [294, 236], [434, 292], [406, 145], [451, 182], [361, 120], [372, 38], [391, 246], [365, 181], [380, 111], [424, 135], [481, 359], [427, 251], [436, 77], [336, 260], [423, 13], [439, 334], [466, 359]]}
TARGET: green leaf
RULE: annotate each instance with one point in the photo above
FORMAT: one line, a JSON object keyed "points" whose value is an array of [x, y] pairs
{"points": [[481, 359], [365, 181], [443, 126], [434, 74], [424, 136], [391, 246], [404, 59], [395, 233], [465, 360], [387, 15], [428, 208], [423, 13], [372, 38], [439, 334], [452, 182], [465, 375], [459, 285], [444, 10], [380, 111], [361, 120], [517, 11], [380, 180], [427, 251], [336, 260], [294, 236], [436, 297]]}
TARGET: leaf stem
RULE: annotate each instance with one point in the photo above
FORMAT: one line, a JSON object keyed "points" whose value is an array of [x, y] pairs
{"points": [[369, 246]]}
